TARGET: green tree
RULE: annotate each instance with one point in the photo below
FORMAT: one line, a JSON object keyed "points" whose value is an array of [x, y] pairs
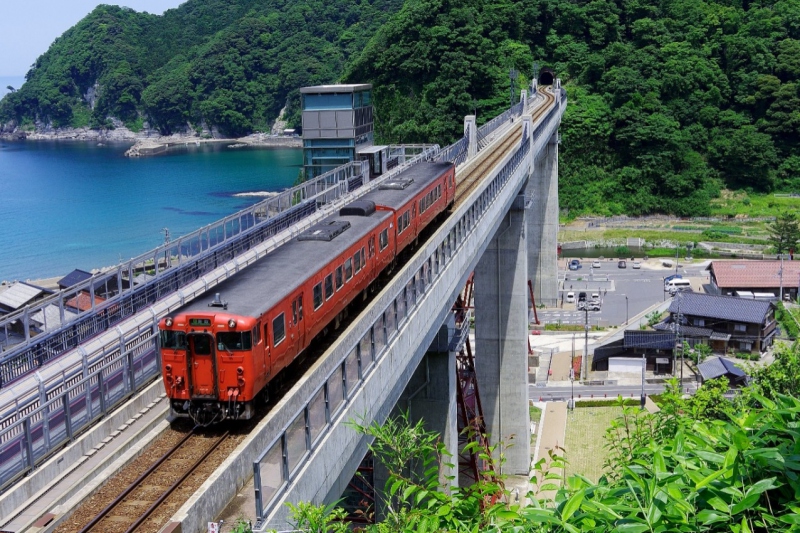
{"points": [[784, 232]]}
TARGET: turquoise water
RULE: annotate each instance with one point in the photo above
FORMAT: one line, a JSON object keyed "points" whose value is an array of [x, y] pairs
{"points": [[78, 205]]}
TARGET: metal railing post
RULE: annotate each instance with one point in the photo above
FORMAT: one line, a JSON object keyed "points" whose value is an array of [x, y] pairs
{"points": [[102, 393], [67, 415], [26, 426]]}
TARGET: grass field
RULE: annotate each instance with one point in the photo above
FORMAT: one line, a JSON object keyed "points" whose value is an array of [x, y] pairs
{"points": [[586, 428], [732, 203]]}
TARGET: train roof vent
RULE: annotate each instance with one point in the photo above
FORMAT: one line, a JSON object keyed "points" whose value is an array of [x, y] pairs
{"points": [[218, 302], [359, 208], [324, 231], [397, 184]]}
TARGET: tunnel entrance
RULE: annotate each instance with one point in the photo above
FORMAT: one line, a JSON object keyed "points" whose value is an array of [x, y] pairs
{"points": [[547, 76]]}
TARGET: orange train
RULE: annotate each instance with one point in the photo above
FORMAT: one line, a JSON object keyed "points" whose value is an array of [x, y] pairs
{"points": [[219, 353]]}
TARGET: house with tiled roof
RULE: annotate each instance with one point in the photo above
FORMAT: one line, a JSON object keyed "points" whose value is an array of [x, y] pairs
{"points": [[727, 278], [719, 367], [726, 323], [655, 348]]}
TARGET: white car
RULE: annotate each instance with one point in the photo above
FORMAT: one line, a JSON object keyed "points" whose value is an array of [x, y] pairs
{"points": [[570, 297], [637, 265], [595, 264]]}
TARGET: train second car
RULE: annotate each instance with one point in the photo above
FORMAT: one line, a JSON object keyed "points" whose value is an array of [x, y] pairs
{"points": [[220, 351]]}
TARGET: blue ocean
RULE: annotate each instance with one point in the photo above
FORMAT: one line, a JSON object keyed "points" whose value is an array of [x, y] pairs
{"points": [[67, 205]]}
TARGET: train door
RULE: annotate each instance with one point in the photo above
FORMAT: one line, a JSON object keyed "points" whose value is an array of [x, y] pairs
{"points": [[297, 328], [202, 366]]}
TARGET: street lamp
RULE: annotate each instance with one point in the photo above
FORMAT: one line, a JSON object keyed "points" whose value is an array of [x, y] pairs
{"points": [[572, 375]]}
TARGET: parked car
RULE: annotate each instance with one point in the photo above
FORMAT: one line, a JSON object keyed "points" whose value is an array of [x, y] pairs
{"points": [[581, 296], [593, 305], [595, 296], [670, 278], [570, 297], [580, 306], [637, 265], [595, 264], [622, 264], [575, 264], [675, 290]]}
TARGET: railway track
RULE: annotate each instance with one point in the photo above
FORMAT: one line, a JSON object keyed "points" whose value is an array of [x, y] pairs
{"points": [[186, 460], [467, 182]]}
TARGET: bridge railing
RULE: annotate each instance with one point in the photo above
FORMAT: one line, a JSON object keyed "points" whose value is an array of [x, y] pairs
{"points": [[281, 462]]}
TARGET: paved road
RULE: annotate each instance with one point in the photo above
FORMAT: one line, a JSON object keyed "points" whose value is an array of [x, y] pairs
{"points": [[643, 288]]}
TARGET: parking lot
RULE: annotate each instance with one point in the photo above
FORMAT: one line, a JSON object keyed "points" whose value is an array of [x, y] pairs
{"points": [[623, 292]]}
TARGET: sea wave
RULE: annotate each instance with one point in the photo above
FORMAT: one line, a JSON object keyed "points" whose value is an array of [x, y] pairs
{"points": [[261, 194]]}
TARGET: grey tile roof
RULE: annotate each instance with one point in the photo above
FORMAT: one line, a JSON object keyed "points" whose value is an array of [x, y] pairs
{"points": [[720, 307], [73, 278], [715, 367], [688, 331], [655, 340]]}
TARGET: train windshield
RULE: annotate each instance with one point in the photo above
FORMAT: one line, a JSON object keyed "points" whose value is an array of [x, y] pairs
{"points": [[234, 340], [173, 340]]}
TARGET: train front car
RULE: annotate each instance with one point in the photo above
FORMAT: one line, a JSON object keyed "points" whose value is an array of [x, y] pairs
{"points": [[207, 361]]}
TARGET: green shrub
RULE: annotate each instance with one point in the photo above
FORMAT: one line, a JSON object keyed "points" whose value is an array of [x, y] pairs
{"points": [[786, 321]]}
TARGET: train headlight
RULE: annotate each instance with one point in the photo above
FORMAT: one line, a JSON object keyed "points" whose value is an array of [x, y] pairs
{"points": [[168, 322], [231, 323]]}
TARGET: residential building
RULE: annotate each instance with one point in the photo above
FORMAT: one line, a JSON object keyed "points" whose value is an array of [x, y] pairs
{"points": [[727, 278], [726, 323], [717, 367], [625, 355]]}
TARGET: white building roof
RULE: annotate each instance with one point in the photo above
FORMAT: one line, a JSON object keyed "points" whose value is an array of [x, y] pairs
{"points": [[18, 295], [50, 316]]}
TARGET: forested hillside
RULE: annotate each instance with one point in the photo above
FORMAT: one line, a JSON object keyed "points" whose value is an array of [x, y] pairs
{"points": [[226, 63], [670, 100]]}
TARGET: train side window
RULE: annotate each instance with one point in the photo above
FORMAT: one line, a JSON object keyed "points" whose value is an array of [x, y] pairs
{"points": [[339, 279], [383, 239], [294, 312], [357, 261], [256, 338], [328, 286], [318, 295], [363, 257], [279, 329], [408, 219], [348, 269], [300, 306]]}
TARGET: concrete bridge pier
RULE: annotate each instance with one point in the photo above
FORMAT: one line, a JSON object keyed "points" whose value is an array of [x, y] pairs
{"points": [[430, 396], [501, 339], [542, 222]]}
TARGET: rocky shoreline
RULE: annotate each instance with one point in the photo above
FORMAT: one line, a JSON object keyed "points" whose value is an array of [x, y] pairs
{"points": [[159, 145], [147, 142]]}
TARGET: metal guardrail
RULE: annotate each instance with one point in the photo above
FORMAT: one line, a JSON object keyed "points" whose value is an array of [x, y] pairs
{"points": [[25, 423], [283, 459]]}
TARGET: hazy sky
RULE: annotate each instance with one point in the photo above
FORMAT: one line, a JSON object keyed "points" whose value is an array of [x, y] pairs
{"points": [[28, 27]]}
